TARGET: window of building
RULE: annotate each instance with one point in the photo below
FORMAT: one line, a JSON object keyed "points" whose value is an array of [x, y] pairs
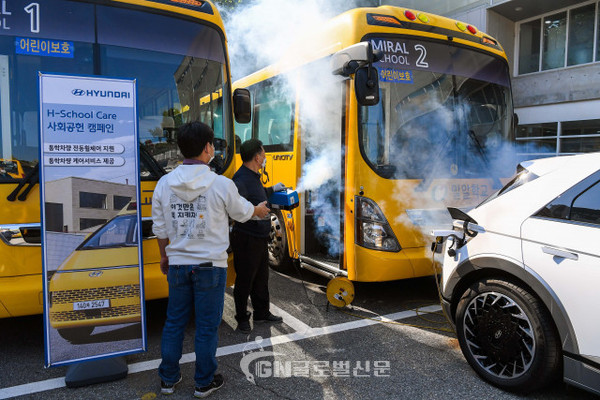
{"points": [[92, 200], [554, 138], [85, 223], [581, 35], [555, 34], [537, 139], [566, 38], [120, 201], [598, 34], [529, 47]]}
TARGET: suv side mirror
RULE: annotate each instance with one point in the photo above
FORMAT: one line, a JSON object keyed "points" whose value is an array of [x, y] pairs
{"points": [[242, 105], [366, 86]]}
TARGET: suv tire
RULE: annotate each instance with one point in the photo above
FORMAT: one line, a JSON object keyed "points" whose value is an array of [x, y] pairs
{"points": [[507, 336]]}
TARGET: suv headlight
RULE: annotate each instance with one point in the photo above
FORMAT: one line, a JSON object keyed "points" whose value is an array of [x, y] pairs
{"points": [[372, 229]]}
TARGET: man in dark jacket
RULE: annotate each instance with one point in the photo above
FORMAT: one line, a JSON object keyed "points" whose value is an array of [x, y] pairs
{"points": [[249, 241]]}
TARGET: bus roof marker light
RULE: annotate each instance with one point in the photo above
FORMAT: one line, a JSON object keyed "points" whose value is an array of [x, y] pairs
{"points": [[423, 18], [386, 20], [472, 29], [461, 26], [410, 15], [196, 3], [487, 40]]}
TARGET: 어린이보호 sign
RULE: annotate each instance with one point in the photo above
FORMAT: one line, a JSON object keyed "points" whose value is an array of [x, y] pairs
{"points": [[93, 282]]}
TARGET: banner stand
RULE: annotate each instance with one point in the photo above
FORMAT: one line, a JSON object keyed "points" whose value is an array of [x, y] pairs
{"points": [[96, 371]]}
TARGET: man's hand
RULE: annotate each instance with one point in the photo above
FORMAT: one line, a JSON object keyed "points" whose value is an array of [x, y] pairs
{"points": [[261, 210], [164, 265], [279, 187]]}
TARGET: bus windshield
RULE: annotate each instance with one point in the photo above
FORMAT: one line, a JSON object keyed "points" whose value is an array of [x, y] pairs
{"points": [[175, 63], [444, 113]]}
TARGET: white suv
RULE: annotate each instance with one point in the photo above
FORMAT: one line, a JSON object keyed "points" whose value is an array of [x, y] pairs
{"points": [[521, 277]]}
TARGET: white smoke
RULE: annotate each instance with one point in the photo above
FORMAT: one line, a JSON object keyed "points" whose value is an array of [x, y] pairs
{"points": [[320, 170], [261, 32]]}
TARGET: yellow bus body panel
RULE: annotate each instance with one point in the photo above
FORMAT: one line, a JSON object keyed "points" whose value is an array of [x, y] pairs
{"points": [[214, 18]]}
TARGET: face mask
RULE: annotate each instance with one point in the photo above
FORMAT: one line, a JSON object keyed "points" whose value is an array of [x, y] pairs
{"points": [[213, 155], [264, 163]]}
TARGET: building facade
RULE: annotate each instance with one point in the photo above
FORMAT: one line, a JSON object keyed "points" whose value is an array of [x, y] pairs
{"points": [[553, 47], [80, 205]]}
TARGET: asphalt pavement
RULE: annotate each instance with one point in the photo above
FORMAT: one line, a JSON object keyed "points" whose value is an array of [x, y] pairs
{"points": [[391, 343]]}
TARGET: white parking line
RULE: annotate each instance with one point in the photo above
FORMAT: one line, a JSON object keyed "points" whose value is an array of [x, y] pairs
{"points": [[306, 332], [289, 319], [34, 387]]}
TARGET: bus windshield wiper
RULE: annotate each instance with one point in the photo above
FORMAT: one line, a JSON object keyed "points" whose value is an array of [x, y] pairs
{"points": [[30, 179], [479, 147]]}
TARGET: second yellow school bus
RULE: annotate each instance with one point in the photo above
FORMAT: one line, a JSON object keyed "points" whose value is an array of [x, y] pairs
{"points": [[382, 118]]}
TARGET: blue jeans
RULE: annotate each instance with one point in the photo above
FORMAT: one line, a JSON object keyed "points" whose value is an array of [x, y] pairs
{"points": [[200, 288]]}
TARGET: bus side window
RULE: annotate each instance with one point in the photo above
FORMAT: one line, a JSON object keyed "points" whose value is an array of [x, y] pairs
{"points": [[243, 132], [247, 134], [275, 120]]}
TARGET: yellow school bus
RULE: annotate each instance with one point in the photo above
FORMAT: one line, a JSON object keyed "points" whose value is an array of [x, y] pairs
{"points": [[175, 50], [381, 119]]}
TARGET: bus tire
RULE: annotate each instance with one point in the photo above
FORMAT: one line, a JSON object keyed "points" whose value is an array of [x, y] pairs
{"points": [[279, 256], [508, 336], [76, 335]]}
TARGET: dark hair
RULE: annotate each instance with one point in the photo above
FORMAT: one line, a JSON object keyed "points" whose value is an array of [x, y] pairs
{"points": [[250, 148], [193, 137]]}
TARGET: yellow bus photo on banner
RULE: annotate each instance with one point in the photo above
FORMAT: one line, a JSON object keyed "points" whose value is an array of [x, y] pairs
{"points": [[89, 192]]}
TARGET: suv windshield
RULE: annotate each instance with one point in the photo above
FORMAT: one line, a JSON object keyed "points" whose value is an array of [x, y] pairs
{"points": [[445, 111], [179, 67]]}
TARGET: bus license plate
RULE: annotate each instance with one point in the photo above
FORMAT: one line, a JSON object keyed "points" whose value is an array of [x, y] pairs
{"points": [[91, 305]]}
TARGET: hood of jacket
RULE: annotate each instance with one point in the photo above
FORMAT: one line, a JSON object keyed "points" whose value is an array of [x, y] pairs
{"points": [[190, 181]]}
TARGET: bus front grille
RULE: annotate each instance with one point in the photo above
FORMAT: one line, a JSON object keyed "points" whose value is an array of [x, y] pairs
{"points": [[110, 292]]}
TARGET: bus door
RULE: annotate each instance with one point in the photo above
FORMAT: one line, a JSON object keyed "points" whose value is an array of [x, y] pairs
{"points": [[322, 174]]}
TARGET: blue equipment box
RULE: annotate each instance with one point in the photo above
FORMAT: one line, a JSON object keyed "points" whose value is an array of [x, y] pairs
{"points": [[284, 200]]}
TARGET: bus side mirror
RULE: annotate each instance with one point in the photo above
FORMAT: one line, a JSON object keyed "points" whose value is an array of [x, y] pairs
{"points": [[346, 61], [366, 86], [242, 105]]}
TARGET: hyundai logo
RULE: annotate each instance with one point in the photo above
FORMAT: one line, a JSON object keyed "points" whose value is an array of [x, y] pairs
{"points": [[115, 94], [95, 274]]}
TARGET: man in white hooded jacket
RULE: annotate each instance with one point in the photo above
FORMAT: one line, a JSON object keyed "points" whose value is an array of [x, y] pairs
{"points": [[190, 209]]}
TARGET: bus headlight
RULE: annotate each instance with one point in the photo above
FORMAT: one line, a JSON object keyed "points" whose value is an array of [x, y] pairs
{"points": [[372, 229]]}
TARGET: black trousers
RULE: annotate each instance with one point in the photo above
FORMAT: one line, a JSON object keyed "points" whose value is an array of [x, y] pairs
{"points": [[251, 263]]}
